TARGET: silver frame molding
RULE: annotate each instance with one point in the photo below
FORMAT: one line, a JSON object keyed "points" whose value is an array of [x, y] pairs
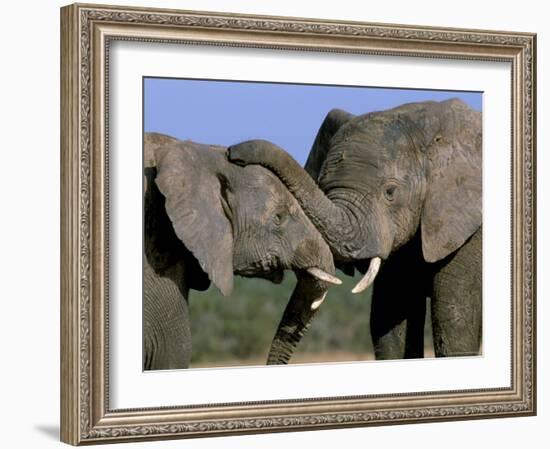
{"points": [[86, 32]]}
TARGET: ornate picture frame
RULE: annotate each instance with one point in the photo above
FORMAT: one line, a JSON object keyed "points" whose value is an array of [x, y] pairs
{"points": [[87, 33]]}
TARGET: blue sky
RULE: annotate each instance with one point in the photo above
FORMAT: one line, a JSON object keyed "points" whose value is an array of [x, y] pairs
{"points": [[228, 112]]}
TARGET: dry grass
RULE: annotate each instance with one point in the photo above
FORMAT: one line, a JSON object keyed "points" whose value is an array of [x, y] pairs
{"points": [[320, 357]]}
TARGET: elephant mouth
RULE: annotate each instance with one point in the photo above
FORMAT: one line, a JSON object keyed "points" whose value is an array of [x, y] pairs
{"points": [[276, 276]]}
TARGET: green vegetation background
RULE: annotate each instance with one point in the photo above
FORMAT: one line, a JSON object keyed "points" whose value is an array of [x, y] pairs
{"points": [[238, 330]]}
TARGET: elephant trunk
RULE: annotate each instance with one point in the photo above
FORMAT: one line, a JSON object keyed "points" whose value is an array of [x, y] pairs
{"points": [[297, 317], [337, 224], [314, 278]]}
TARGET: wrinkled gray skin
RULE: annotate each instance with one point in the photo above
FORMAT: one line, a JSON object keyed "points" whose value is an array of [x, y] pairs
{"points": [[403, 185], [205, 218]]}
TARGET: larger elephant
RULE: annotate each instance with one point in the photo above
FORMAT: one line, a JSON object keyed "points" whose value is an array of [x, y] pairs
{"points": [[398, 191], [206, 219]]}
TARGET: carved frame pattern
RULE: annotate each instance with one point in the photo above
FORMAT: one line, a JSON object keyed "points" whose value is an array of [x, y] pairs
{"points": [[86, 417]]}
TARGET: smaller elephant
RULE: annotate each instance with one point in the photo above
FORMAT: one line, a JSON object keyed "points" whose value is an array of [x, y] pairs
{"points": [[399, 192], [205, 220]]}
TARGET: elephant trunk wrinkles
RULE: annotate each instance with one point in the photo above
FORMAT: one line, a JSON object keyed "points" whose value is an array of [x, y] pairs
{"points": [[309, 293], [331, 219], [283, 346], [296, 318]]}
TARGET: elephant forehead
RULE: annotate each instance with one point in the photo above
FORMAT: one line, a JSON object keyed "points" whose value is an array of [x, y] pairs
{"points": [[366, 156], [263, 191], [262, 179], [369, 167], [261, 186], [382, 134]]}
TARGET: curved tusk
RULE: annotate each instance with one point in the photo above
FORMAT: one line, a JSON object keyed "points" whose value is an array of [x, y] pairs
{"points": [[315, 304], [323, 275], [369, 276]]}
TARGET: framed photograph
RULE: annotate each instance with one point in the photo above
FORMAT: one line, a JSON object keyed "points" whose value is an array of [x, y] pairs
{"points": [[279, 224]]}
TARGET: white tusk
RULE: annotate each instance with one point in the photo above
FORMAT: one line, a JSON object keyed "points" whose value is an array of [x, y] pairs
{"points": [[324, 276], [369, 276], [315, 304]]}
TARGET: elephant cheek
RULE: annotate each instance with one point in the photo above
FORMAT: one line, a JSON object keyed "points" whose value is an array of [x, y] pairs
{"points": [[257, 256]]}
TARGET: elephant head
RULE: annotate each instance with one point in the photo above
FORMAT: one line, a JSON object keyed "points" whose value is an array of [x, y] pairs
{"points": [[233, 220], [373, 181]]}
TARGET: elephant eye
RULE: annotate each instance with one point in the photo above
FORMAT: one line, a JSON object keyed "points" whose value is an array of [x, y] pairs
{"points": [[279, 217], [389, 192]]}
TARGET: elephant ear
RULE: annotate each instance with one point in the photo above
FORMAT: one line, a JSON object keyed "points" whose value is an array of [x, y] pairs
{"points": [[151, 142], [453, 205], [317, 155], [187, 176]]}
